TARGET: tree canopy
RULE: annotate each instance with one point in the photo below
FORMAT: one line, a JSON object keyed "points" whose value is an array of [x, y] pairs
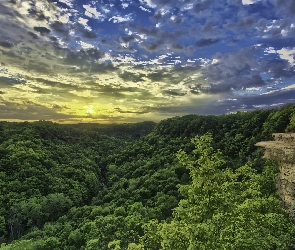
{"points": [[187, 182]]}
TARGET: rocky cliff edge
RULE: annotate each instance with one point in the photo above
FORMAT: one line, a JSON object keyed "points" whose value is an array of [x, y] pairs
{"points": [[283, 150]]}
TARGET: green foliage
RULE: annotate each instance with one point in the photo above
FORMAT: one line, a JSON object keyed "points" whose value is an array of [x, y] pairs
{"points": [[222, 208], [53, 195], [291, 126]]}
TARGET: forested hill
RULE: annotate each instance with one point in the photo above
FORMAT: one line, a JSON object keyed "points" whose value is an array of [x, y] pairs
{"points": [[56, 195]]}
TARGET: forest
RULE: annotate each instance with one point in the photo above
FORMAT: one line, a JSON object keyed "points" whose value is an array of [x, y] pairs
{"points": [[190, 182]]}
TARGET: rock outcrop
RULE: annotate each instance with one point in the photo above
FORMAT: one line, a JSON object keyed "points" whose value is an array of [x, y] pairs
{"points": [[283, 150]]}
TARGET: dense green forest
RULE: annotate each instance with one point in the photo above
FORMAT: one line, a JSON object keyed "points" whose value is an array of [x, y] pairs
{"points": [[191, 182]]}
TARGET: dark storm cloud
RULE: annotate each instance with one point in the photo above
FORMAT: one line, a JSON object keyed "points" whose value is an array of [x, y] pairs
{"points": [[161, 43], [126, 39], [11, 80], [6, 44], [158, 76], [93, 67], [202, 5], [243, 70], [211, 28], [82, 56], [206, 42], [233, 71], [38, 15], [30, 111], [156, 17], [51, 83], [279, 68], [60, 28], [42, 30], [129, 76], [33, 35], [88, 34], [285, 7], [4, 10], [129, 111], [173, 93], [103, 68], [150, 32], [110, 91], [248, 103], [246, 21], [177, 46], [151, 46], [280, 96], [37, 66], [157, 38]]}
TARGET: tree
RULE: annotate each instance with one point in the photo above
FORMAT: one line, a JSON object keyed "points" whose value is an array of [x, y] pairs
{"points": [[291, 126], [223, 209]]}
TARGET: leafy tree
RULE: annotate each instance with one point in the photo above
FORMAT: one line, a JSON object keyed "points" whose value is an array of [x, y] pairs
{"points": [[222, 209], [291, 125]]}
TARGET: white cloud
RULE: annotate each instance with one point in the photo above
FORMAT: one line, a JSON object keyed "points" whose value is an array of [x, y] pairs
{"points": [[287, 54], [247, 2], [129, 32], [120, 19], [91, 12], [125, 5], [65, 18], [284, 53], [214, 61], [292, 86], [84, 22], [106, 10], [164, 11], [144, 9], [67, 2], [188, 6], [148, 3]]}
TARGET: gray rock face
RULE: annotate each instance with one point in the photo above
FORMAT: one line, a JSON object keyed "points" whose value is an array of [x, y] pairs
{"points": [[283, 150]]}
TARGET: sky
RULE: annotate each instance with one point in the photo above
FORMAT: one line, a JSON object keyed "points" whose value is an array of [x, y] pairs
{"points": [[121, 61]]}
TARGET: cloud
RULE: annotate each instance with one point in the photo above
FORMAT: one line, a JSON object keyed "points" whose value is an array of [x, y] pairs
{"points": [[6, 44], [284, 53], [59, 27], [42, 30], [145, 9], [91, 12], [202, 6], [278, 68], [247, 2], [121, 19], [82, 56], [11, 80], [133, 77], [233, 72], [88, 34], [33, 35], [126, 39], [31, 111], [152, 46], [206, 42], [143, 60], [285, 7]]}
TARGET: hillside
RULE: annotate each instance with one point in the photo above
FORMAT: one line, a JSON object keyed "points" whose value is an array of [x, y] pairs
{"points": [[90, 186]]}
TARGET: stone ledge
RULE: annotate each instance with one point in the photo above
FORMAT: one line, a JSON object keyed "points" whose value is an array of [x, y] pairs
{"points": [[283, 150], [275, 144], [285, 137]]}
